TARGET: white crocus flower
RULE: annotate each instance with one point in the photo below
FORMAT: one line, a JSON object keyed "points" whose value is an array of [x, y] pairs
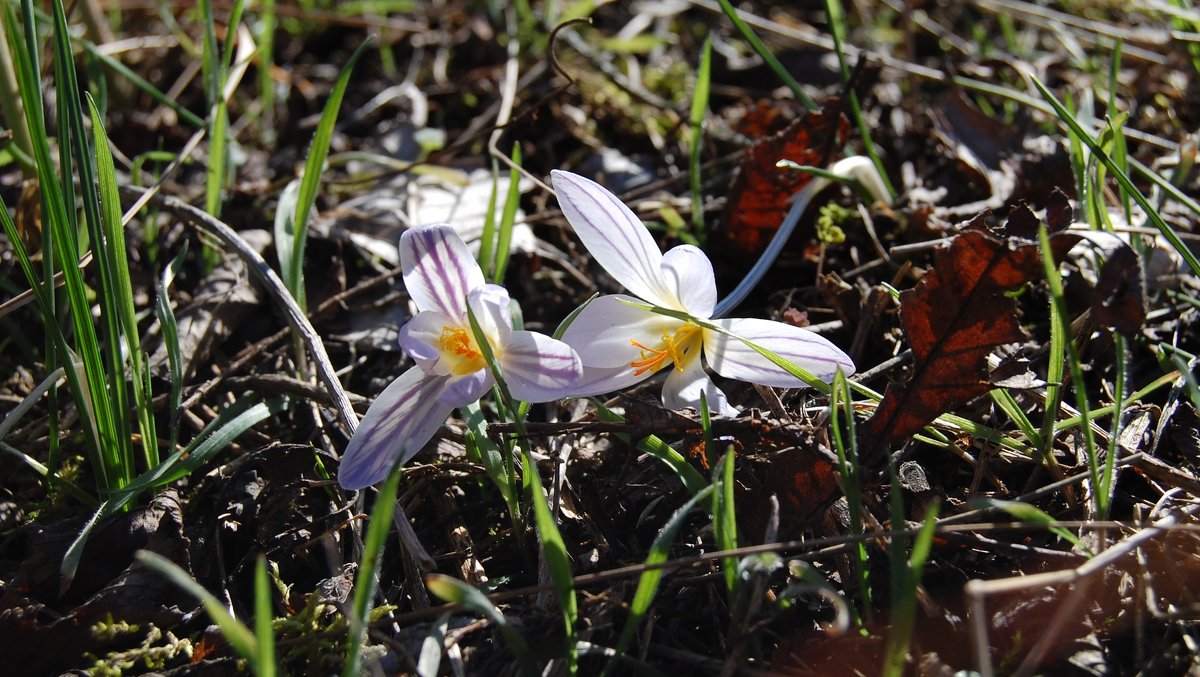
{"points": [[621, 343], [444, 280]]}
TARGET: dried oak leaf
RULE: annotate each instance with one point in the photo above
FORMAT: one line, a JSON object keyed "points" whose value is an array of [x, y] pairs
{"points": [[959, 313], [759, 198]]}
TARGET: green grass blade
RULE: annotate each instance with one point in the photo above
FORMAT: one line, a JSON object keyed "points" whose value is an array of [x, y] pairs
{"points": [[365, 580], [1032, 515], [1008, 404], [285, 237], [725, 521], [837, 26], [217, 167], [72, 130], [1122, 178], [121, 287], [264, 629], [904, 595], [60, 242], [696, 123], [237, 634], [660, 550], [557, 559], [455, 591], [314, 165], [1054, 281], [691, 478], [508, 219], [487, 239], [765, 54], [170, 337], [554, 549], [846, 443], [139, 82], [498, 466], [1114, 436], [210, 55]]}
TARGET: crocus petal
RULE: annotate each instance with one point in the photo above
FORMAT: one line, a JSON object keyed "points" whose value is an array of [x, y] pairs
{"points": [[419, 338], [683, 387], [539, 368], [613, 234], [731, 358], [439, 271], [490, 304], [400, 421], [604, 380], [466, 389], [603, 331], [689, 276]]}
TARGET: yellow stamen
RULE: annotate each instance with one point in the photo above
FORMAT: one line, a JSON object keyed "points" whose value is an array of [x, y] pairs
{"points": [[458, 346], [674, 347]]}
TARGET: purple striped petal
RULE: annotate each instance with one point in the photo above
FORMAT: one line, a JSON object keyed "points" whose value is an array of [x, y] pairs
{"points": [[419, 338], [466, 389], [731, 358], [400, 421], [603, 332], [614, 236], [602, 380], [539, 368], [439, 271]]}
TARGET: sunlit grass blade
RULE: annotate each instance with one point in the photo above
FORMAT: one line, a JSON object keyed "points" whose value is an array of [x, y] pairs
{"points": [[557, 559], [1058, 300], [1008, 404], [660, 551], [285, 237], [456, 592], [508, 219], [765, 54], [237, 634], [121, 288], [71, 129], [554, 549], [139, 82], [837, 27], [725, 521], [1032, 515], [846, 443], [170, 337], [498, 466], [264, 630], [696, 140], [60, 237], [906, 577], [1122, 178], [215, 437], [653, 445], [487, 239], [366, 579], [314, 166]]}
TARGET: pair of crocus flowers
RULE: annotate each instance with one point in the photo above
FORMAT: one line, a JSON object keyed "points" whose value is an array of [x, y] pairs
{"points": [[615, 342]]}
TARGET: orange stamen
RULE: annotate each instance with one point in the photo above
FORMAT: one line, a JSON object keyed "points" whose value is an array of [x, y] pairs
{"points": [[675, 347]]}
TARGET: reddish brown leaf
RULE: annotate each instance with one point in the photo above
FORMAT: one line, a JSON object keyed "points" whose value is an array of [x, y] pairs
{"points": [[759, 198], [959, 313], [953, 318]]}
